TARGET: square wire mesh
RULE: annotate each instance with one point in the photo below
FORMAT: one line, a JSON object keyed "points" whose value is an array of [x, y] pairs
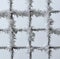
{"points": [[12, 13]]}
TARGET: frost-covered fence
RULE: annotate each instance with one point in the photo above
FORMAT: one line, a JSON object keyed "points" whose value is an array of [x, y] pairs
{"points": [[29, 29]]}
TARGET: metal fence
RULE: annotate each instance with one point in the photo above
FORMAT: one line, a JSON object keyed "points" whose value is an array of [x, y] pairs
{"points": [[12, 30]]}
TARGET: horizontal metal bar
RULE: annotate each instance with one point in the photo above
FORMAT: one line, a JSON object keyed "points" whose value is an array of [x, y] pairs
{"points": [[57, 47], [16, 30], [25, 13], [25, 47]]}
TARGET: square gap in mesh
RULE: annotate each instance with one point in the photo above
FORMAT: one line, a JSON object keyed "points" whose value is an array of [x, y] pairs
{"points": [[39, 22], [4, 5], [21, 54], [4, 39], [55, 4], [55, 54], [20, 5], [56, 19], [55, 40], [39, 5], [38, 54], [21, 39], [4, 23], [40, 39], [21, 22], [5, 54]]}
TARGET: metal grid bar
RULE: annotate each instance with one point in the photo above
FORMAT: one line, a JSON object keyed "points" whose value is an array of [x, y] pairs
{"points": [[11, 31], [30, 31], [49, 27], [30, 13]]}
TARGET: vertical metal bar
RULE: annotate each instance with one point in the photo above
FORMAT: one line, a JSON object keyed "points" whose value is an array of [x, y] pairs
{"points": [[30, 31], [11, 30], [49, 26]]}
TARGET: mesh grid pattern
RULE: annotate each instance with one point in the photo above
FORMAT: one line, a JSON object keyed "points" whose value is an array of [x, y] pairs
{"points": [[12, 30]]}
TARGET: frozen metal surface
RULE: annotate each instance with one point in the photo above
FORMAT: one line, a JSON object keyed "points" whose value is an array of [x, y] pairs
{"points": [[29, 29]]}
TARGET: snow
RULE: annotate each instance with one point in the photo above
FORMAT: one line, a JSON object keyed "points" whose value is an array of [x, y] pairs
{"points": [[21, 22], [5, 54], [21, 39], [39, 5], [55, 4], [40, 39], [37, 54], [39, 22], [4, 23], [56, 18], [4, 39], [4, 5], [55, 54], [20, 5], [22, 54]]}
